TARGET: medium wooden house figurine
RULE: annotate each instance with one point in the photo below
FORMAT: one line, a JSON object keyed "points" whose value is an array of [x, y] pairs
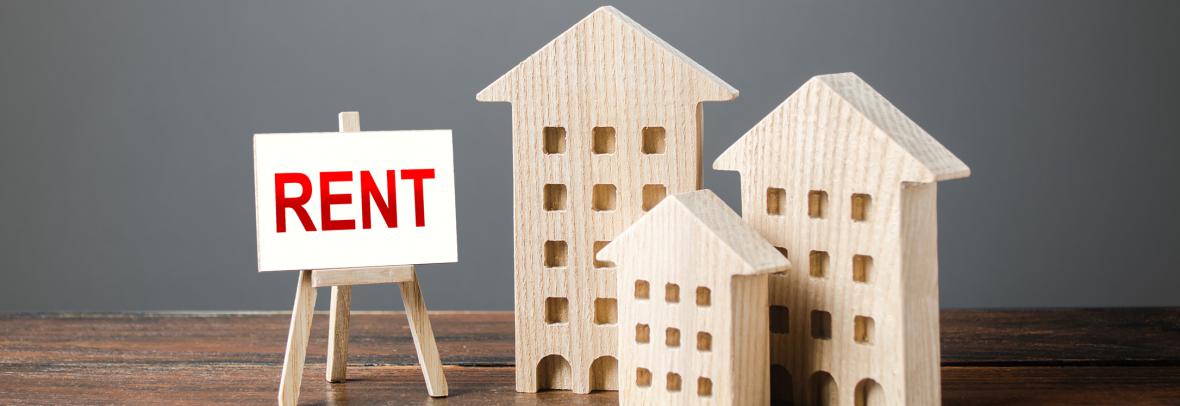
{"points": [[692, 283], [844, 184], [606, 120]]}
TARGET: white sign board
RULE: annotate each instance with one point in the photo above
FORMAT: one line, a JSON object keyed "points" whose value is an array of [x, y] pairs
{"points": [[343, 200]]}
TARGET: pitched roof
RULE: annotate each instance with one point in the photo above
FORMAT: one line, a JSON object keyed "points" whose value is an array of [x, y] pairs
{"points": [[936, 162], [717, 220], [608, 22]]}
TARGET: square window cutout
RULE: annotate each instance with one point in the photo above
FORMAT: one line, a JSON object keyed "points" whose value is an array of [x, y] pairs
{"points": [[821, 325], [642, 289], [672, 337], [863, 329], [776, 200], [818, 264], [672, 293], [860, 206], [554, 140], [603, 197], [642, 377], [862, 266], [704, 387], [780, 320], [555, 253], [673, 381], [554, 197], [704, 341], [557, 310], [653, 140], [604, 140], [652, 195], [704, 297], [642, 333], [817, 202], [606, 311]]}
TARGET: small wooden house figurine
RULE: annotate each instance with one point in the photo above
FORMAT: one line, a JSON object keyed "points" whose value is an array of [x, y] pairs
{"points": [[692, 283], [845, 185], [606, 120]]}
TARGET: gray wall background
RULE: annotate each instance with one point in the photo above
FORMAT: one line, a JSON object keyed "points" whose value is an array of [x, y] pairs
{"points": [[127, 124]]}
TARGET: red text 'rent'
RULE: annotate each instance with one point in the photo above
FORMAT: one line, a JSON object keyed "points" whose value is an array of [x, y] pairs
{"points": [[370, 196]]}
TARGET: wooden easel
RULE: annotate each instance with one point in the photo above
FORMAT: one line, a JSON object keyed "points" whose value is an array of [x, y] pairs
{"points": [[341, 281]]}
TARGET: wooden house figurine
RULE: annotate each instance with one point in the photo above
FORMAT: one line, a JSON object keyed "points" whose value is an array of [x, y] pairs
{"points": [[692, 283], [845, 185], [606, 120]]}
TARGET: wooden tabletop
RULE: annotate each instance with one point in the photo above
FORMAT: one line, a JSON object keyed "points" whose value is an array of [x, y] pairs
{"points": [[1009, 357]]}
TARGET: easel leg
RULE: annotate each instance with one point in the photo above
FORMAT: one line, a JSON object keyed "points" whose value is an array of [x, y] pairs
{"points": [[297, 341], [337, 368], [436, 382]]}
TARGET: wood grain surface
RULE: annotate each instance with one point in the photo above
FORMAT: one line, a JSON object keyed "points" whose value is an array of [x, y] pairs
{"points": [[844, 183], [997, 357], [606, 120]]}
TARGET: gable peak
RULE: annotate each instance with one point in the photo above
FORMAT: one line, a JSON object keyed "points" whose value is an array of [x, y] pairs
{"points": [[934, 162], [716, 220], [602, 25]]}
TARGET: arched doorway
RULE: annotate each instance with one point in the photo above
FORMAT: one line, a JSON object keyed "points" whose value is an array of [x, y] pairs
{"points": [[604, 374], [553, 372], [823, 389], [869, 393], [782, 389]]}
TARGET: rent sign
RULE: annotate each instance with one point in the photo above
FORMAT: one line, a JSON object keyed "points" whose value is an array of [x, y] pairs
{"points": [[343, 200]]}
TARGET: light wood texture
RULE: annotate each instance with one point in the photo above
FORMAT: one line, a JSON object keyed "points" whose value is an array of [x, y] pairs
{"points": [[600, 115], [1117, 356], [695, 329], [362, 276], [341, 308], [340, 313], [423, 334], [300, 330], [843, 181], [341, 281], [349, 121]]}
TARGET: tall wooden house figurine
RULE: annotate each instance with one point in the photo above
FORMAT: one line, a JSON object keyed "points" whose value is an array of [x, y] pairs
{"points": [[606, 120], [845, 185], [692, 283]]}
